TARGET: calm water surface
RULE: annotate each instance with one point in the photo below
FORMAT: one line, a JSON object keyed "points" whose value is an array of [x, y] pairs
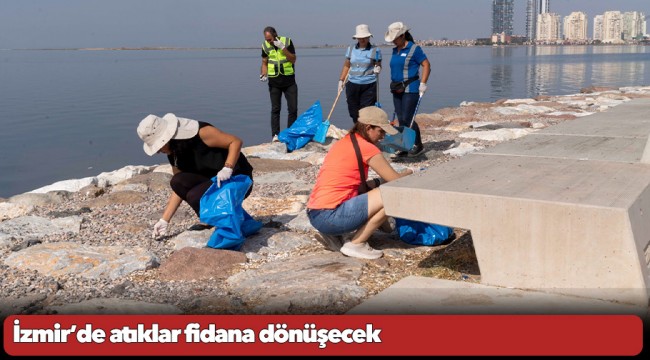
{"points": [[72, 114]]}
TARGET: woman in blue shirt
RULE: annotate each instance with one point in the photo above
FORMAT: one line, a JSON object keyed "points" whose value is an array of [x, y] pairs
{"points": [[405, 66], [362, 67]]}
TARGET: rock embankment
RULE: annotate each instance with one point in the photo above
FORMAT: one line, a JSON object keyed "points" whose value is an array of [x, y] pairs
{"points": [[85, 245]]}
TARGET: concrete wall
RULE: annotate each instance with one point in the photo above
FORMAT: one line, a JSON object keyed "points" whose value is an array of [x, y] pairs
{"points": [[564, 211]]}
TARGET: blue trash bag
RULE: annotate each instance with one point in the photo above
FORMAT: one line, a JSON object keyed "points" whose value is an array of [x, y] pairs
{"points": [[303, 129], [222, 208], [421, 233], [402, 141]]}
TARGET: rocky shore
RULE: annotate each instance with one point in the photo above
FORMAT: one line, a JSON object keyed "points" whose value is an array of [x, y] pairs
{"points": [[85, 245]]}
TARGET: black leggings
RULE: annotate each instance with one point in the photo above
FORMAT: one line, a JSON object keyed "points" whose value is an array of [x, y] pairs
{"points": [[191, 187]]}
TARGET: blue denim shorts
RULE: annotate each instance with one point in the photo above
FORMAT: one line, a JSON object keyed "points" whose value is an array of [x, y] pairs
{"points": [[346, 218]]}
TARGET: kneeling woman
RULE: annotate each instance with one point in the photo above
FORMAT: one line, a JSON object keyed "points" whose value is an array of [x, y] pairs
{"points": [[197, 152], [335, 205]]}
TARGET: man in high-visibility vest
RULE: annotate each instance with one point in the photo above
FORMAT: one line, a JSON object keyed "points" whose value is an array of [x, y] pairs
{"points": [[278, 59]]}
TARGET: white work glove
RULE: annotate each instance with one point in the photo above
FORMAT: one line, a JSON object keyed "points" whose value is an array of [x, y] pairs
{"points": [[340, 85], [263, 77], [160, 229], [223, 175], [377, 69], [279, 44], [417, 170], [423, 88]]}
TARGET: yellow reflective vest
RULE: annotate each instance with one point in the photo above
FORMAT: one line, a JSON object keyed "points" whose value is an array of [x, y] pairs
{"points": [[277, 61]]}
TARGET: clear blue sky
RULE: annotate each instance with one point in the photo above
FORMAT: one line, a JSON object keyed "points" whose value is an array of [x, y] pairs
{"points": [[239, 23]]}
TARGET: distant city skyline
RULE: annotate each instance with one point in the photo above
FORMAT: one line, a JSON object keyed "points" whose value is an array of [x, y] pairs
{"points": [[209, 23]]}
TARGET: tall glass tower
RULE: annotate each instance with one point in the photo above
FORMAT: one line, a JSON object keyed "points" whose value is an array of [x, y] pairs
{"points": [[502, 11], [544, 6], [531, 19]]}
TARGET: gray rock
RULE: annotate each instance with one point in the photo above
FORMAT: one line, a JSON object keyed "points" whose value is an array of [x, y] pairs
{"points": [[11, 305], [25, 244], [298, 222], [154, 181], [315, 283], [60, 259], [115, 306], [92, 191], [28, 227], [275, 165], [119, 197], [33, 199], [71, 224], [276, 177], [195, 239], [142, 188], [66, 213], [270, 242], [198, 264], [113, 177], [12, 211]]}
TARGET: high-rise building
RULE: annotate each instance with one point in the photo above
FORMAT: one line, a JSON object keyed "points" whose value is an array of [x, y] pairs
{"points": [[502, 12], [531, 19], [544, 6], [612, 27], [548, 27], [633, 25], [575, 26], [598, 27]]}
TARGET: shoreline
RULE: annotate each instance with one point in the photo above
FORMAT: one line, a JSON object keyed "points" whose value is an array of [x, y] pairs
{"points": [[455, 43]]}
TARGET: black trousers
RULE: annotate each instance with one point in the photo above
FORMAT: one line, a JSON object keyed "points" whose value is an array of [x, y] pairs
{"points": [[191, 187], [360, 96], [291, 94]]}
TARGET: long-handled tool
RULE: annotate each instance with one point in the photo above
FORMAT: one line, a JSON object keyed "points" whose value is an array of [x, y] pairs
{"points": [[377, 104], [321, 132], [405, 139]]}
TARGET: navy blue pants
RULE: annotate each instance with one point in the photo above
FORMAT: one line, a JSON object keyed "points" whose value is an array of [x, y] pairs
{"points": [[405, 104]]}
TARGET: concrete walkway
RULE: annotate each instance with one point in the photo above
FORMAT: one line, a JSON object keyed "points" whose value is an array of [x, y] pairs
{"points": [[565, 210], [418, 295]]}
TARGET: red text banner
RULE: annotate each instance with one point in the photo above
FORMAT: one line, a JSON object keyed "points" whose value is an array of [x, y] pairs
{"points": [[187, 335]]}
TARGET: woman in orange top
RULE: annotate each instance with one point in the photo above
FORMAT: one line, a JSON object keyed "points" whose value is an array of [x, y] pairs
{"points": [[335, 206]]}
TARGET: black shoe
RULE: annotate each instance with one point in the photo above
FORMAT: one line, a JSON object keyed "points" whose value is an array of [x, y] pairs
{"points": [[416, 151], [199, 227], [401, 153]]}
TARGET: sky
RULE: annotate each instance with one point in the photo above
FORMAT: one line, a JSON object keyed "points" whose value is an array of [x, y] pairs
{"points": [[239, 23]]}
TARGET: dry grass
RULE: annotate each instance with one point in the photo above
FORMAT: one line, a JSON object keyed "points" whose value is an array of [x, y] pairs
{"points": [[454, 261]]}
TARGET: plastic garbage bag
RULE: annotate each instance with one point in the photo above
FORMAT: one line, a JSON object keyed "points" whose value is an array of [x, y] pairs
{"points": [[421, 233], [402, 141], [222, 207], [303, 129], [321, 132]]}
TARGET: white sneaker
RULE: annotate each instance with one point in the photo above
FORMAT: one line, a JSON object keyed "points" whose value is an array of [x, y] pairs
{"points": [[275, 139], [362, 251]]}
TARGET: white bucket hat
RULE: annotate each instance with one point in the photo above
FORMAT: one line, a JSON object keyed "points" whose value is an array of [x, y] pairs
{"points": [[396, 29], [157, 131], [362, 32]]}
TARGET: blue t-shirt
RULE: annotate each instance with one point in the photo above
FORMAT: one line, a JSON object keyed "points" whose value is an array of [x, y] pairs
{"points": [[362, 62], [398, 72]]}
